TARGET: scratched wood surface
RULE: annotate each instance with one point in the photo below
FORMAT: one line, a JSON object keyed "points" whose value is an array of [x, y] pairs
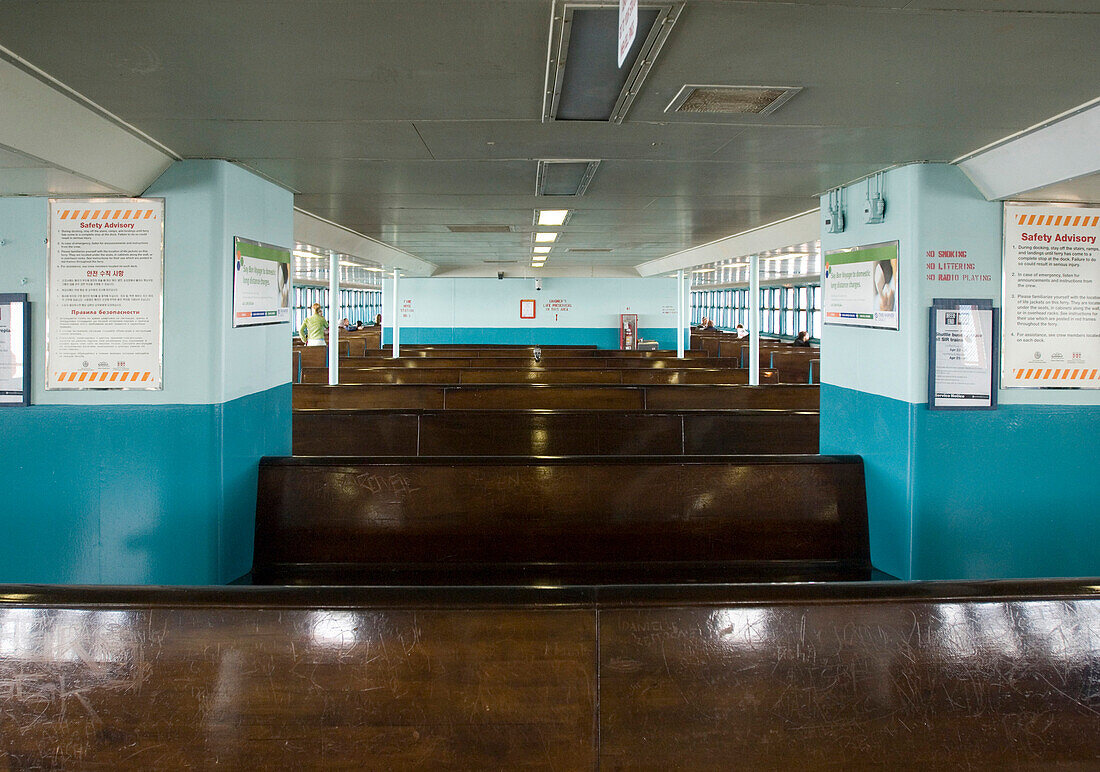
{"points": [[902, 686], [577, 513], [552, 433], [291, 688]]}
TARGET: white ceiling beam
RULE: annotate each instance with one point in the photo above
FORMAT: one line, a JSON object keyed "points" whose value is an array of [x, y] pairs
{"points": [[799, 229], [319, 232], [66, 131], [1063, 148]]}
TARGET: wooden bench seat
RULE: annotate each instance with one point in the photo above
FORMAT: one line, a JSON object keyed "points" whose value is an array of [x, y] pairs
{"points": [[579, 519], [554, 397], [552, 433], [900, 675]]}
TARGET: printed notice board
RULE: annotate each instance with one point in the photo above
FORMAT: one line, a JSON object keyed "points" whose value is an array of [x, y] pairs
{"points": [[15, 349], [104, 293], [1051, 331], [860, 286], [261, 283], [961, 372]]}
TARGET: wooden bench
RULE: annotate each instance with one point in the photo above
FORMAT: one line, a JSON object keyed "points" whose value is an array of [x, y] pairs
{"points": [[577, 519], [904, 675], [552, 433], [567, 375], [553, 397]]}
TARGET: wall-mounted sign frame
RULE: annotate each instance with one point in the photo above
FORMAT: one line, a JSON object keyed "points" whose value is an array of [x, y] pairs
{"points": [[1051, 280], [962, 352], [860, 287], [15, 350], [527, 308], [105, 294], [261, 283]]}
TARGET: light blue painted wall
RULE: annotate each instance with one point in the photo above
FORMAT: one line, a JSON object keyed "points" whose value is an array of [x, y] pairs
{"points": [[973, 495], [568, 311], [140, 486]]}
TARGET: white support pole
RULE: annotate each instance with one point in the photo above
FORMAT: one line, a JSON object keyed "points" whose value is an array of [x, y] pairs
{"points": [[754, 321], [396, 322], [680, 313], [333, 319]]}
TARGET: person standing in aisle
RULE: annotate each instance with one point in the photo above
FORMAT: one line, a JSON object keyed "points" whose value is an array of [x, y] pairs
{"points": [[312, 331]]}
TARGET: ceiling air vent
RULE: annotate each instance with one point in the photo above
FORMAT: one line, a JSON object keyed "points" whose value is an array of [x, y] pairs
{"points": [[564, 178], [587, 249], [584, 81], [479, 228], [754, 100]]}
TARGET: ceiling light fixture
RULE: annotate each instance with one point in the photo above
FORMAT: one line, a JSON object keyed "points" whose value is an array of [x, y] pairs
{"points": [[542, 250], [703, 270], [308, 255], [346, 264], [552, 217], [546, 238]]}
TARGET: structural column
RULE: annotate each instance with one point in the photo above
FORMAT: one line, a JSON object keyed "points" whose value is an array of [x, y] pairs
{"points": [[754, 320], [396, 323], [333, 319], [680, 313]]}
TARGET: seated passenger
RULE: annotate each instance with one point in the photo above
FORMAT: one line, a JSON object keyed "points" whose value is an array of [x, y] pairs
{"points": [[344, 323], [803, 339], [378, 321], [741, 331], [706, 324]]}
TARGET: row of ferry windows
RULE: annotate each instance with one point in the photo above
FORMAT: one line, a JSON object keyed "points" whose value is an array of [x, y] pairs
{"points": [[356, 305], [784, 311]]}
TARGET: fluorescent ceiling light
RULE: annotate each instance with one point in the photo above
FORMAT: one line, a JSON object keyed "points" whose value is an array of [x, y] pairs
{"points": [[552, 216], [541, 250], [350, 265], [308, 255], [703, 270], [546, 237], [784, 257]]}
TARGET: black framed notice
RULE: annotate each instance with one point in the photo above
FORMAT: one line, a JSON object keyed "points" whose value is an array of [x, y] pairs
{"points": [[962, 352], [15, 350]]}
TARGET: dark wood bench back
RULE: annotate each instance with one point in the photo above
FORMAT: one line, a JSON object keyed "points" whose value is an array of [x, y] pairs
{"points": [[639, 519], [552, 433], [566, 375]]}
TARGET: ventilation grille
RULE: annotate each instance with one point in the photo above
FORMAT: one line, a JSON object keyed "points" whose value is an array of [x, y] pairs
{"points": [[740, 100], [588, 249], [564, 178], [479, 228]]}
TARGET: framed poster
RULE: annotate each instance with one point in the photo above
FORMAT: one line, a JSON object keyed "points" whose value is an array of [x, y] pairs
{"points": [[860, 286], [261, 283], [962, 350], [527, 309], [105, 294], [1051, 283], [15, 350]]}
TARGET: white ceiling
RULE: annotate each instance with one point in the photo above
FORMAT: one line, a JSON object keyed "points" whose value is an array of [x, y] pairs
{"points": [[396, 118]]}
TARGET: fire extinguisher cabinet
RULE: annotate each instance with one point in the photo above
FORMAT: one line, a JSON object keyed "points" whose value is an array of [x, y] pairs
{"points": [[628, 332]]}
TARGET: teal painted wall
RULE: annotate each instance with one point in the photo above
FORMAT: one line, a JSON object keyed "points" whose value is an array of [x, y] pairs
{"points": [[152, 487], [955, 495], [568, 311]]}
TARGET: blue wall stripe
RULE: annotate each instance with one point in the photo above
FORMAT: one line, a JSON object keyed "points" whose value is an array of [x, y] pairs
{"points": [[162, 494]]}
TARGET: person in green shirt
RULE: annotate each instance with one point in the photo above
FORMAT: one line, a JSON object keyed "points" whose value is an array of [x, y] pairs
{"points": [[312, 332]]}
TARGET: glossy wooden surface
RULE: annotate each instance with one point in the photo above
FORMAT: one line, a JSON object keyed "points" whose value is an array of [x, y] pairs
{"points": [[867, 676], [504, 375], [583, 363], [562, 519], [554, 397], [552, 433]]}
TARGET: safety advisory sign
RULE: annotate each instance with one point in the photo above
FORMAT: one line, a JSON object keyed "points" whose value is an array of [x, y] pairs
{"points": [[1051, 331], [261, 283], [860, 286], [104, 296]]}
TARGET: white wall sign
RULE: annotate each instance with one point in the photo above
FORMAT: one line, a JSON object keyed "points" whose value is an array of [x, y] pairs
{"points": [[1051, 332], [860, 286], [261, 283], [105, 288], [15, 385], [962, 355], [628, 27]]}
